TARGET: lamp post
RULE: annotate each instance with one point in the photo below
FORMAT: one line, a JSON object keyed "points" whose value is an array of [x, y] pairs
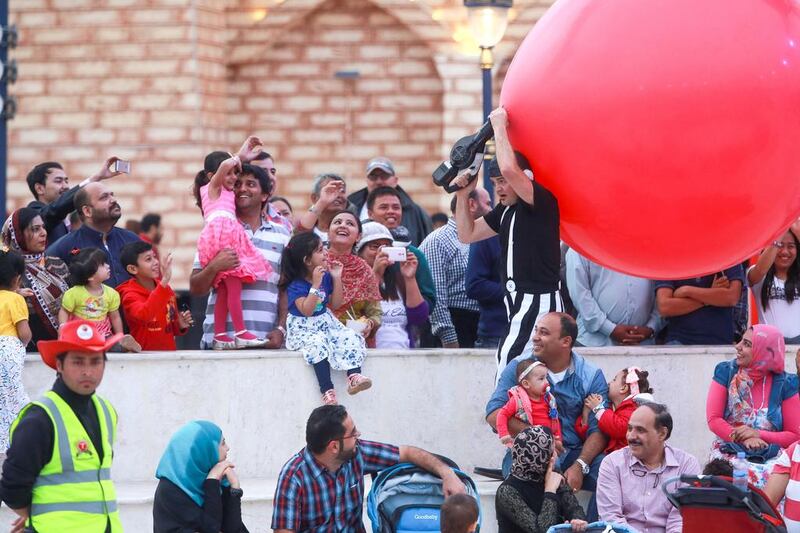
{"points": [[488, 20]]}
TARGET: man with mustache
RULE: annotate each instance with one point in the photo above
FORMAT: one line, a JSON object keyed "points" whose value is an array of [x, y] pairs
{"points": [[57, 475], [321, 488], [53, 197], [629, 485], [99, 212]]}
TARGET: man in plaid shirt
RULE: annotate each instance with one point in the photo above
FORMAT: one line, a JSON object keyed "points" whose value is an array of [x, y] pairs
{"points": [[321, 488]]}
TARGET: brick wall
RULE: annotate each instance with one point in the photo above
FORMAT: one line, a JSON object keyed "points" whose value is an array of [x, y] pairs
{"points": [[162, 82]]}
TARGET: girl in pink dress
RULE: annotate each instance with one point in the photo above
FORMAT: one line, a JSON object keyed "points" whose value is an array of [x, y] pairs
{"points": [[223, 230]]}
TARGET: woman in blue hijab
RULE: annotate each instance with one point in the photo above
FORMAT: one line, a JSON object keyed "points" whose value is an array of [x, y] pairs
{"points": [[198, 490]]}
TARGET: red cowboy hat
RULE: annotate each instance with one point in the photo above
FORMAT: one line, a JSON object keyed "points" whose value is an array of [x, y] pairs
{"points": [[79, 336]]}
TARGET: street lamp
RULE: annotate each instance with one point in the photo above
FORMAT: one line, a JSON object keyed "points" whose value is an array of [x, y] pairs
{"points": [[487, 20]]}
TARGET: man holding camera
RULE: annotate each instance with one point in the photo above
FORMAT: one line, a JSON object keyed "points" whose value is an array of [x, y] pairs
{"points": [[455, 317], [54, 199], [527, 220]]}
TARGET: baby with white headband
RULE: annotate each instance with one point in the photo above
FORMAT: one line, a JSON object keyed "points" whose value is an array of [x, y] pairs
{"points": [[531, 402], [626, 392]]}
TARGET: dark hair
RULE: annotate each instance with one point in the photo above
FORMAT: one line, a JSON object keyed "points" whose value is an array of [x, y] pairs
{"points": [[792, 285], [439, 218], [569, 328], [473, 194], [81, 200], [458, 512], [381, 191], [129, 256], [281, 199], [293, 265], [148, 221], [12, 265], [523, 365], [644, 385], [663, 418], [325, 424], [718, 467], [492, 167], [261, 176], [210, 165], [25, 217], [38, 175], [262, 156], [84, 265], [355, 216]]}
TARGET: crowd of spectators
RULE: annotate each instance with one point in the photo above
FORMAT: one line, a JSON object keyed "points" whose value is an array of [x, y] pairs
{"points": [[369, 270]]}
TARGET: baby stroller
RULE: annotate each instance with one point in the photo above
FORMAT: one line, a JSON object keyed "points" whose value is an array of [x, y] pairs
{"points": [[710, 503], [407, 499], [595, 527]]}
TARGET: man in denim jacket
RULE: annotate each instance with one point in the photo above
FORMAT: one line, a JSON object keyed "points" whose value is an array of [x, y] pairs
{"points": [[572, 379]]}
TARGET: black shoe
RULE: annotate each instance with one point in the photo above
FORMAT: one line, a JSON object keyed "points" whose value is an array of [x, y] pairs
{"points": [[492, 473]]}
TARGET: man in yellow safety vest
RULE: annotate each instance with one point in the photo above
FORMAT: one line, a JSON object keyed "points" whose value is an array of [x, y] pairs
{"points": [[57, 474]]}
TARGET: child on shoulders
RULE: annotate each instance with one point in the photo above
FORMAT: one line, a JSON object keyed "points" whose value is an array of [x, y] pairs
{"points": [[149, 303]]}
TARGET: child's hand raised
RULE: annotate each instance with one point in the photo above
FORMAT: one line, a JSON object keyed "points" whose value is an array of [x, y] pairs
{"points": [[250, 149], [28, 293], [335, 268], [317, 275], [166, 270]]}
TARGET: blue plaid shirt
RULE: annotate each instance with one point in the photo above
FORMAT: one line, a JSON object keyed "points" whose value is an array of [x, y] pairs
{"points": [[309, 498]]}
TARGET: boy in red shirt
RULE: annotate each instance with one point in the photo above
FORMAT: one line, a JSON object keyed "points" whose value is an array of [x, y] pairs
{"points": [[148, 302]]}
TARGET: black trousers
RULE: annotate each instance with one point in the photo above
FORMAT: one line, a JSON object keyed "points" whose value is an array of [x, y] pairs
{"points": [[466, 324]]}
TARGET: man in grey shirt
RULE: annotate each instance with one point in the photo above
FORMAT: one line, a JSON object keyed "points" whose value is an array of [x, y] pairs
{"points": [[613, 308]]}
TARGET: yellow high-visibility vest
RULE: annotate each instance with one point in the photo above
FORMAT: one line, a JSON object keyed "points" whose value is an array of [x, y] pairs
{"points": [[74, 492]]}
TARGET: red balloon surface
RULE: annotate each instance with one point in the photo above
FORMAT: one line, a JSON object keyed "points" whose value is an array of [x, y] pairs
{"points": [[667, 129]]}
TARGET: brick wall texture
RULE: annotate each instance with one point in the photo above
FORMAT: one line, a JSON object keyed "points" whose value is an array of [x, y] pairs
{"points": [[163, 82]]}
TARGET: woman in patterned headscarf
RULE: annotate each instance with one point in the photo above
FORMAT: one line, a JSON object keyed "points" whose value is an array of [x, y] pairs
{"points": [[45, 276], [535, 497], [752, 403]]}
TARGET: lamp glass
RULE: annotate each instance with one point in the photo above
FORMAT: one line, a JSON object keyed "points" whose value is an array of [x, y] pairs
{"points": [[488, 24]]}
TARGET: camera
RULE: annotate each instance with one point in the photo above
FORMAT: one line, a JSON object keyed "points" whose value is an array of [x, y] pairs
{"points": [[122, 166], [396, 254]]}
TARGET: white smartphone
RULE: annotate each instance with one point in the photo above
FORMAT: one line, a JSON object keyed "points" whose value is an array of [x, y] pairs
{"points": [[395, 253], [121, 165]]}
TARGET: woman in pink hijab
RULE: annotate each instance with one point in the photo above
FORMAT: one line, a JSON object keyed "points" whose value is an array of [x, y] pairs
{"points": [[753, 404]]}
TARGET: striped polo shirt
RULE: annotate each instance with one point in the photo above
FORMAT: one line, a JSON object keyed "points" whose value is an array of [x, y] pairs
{"points": [[789, 463], [259, 299]]}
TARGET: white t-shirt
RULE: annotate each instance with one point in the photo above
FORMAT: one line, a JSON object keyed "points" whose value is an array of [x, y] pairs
{"points": [[558, 377], [392, 333], [783, 315]]}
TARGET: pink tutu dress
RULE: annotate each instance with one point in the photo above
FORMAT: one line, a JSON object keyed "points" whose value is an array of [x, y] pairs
{"points": [[223, 230]]}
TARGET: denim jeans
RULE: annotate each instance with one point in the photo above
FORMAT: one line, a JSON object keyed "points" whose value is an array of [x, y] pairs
{"points": [[487, 342]]}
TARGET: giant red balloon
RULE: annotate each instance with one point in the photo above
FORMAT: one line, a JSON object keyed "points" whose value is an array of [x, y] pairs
{"points": [[669, 130]]}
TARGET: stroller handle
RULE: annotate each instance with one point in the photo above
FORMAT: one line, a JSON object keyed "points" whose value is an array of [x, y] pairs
{"points": [[713, 481]]}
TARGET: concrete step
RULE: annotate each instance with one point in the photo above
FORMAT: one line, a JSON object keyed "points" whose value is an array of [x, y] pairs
{"points": [[135, 500]]}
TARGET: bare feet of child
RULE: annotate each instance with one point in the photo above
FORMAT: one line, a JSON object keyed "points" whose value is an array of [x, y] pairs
{"points": [[357, 383], [129, 344]]}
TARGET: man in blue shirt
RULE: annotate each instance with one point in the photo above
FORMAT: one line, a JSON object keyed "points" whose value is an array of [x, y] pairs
{"points": [[572, 379], [483, 284], [99, 211], [700, 310]]}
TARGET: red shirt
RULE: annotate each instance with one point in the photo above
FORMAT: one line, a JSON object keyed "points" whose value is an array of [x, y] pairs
{"points": [[152, 316], [614, 423]]}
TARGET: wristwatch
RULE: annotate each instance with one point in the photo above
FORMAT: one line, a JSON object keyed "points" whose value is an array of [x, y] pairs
{"points": [[237, 492], [599, 407], [584, 466]]}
